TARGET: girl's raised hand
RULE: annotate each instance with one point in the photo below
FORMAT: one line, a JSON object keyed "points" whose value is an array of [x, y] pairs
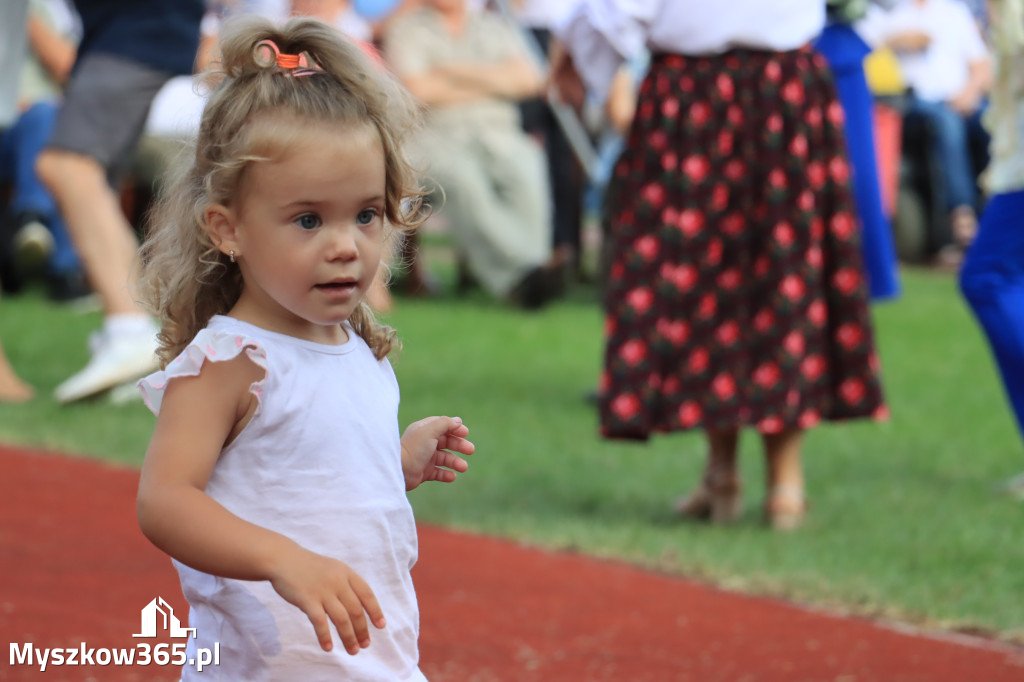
{"points": [[425, 450], [328, 591]]}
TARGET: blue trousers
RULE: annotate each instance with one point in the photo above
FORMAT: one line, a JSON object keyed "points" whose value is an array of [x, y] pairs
{"points": [[992, 281], [19, 147], [952, 136]]}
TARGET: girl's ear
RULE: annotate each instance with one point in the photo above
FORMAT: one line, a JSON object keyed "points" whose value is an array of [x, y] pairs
{"points": [[221, 225]]}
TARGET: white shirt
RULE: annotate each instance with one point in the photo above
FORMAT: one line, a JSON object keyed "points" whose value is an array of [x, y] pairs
{"points": [[320, 462], [601, 34], [941, 70], [178, 108], [543, 13]]}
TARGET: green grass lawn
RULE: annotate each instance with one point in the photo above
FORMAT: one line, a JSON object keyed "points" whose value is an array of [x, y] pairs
{"points": [[905, 519]]}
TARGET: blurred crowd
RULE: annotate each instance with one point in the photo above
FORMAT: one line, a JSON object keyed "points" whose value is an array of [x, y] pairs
{"points": [[514, 174]]}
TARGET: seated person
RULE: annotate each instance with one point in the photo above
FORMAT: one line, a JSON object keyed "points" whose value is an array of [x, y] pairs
{"points": [[469, 68], [947, 68], [38, 230]]}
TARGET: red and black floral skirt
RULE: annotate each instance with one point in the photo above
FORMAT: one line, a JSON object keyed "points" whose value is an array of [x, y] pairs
{"points": [[735, 293]]}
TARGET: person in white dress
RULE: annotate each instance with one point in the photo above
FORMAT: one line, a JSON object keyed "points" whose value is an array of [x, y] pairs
{"points": [[276, 477]]}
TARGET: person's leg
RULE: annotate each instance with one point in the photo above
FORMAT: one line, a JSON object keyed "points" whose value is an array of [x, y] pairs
{"points": [[30, 135], [12, 388], [105, 240], [717, 497], [949, 141], [785, 504], [978, 141], [519, 173], [949, 131], [31, 198], [566, 196], [484, 228], [564, 178], [992, 282], [101, 120]]}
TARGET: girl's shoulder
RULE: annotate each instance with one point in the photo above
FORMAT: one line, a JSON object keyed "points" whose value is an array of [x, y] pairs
{"points": [[218, 342]]}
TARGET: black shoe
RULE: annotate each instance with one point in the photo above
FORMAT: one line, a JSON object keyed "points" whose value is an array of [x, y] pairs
{"points": [[539, 287], [465, 282], [67, 286]]}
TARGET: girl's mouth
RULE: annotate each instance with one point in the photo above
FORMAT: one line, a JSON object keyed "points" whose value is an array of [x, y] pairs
{"points": [[337, 288]]}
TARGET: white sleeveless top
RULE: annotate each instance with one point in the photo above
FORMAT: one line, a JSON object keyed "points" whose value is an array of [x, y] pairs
{"points": [[320, 463]]}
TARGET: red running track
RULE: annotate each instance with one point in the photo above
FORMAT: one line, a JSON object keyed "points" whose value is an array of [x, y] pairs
{"points": [[75, 568]]}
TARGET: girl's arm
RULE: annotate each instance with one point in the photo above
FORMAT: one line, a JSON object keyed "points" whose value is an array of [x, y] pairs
{"points": [[198, 417]]}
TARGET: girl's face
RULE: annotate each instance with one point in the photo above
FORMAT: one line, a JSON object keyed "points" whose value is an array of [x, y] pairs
{"points": [[308, 232]]}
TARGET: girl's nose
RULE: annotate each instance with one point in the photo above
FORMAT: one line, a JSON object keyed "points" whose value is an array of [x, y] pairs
{"points": [[342, 244]]}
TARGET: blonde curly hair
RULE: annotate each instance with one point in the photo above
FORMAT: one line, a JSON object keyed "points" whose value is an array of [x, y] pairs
{"points": [[185, 280]]}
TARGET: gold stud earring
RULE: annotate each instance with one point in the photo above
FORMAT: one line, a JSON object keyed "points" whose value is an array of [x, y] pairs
{"points": [[231, 255]]}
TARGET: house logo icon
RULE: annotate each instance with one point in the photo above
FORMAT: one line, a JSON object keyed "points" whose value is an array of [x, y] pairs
{"points": [[159, 612]]}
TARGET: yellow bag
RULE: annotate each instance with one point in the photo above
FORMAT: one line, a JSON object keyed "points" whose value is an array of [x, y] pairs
{"points": [[882, 70]]}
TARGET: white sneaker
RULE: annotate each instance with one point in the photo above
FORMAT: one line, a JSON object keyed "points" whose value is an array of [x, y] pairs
{"points": [[115, 360]]}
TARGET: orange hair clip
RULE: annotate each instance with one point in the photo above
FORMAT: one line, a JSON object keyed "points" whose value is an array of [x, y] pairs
{"points": [[266, 53]]}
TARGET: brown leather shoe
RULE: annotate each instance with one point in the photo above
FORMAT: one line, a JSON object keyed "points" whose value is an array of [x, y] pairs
{"points": [[715, 500]]}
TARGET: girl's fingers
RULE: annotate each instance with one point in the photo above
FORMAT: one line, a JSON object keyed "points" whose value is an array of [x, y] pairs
{"points": [[442, 475], [357, 618], [451, 461], [342, 619], [368, 601], [322, 629], [461, 431], [458, 445]]}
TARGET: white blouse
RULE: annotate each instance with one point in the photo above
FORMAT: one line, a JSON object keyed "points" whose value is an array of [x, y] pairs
{"points": [[601, 34], [542, 13]]}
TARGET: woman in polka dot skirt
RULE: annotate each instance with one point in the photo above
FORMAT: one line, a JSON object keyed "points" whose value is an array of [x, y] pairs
{"points": [[736, 295]]}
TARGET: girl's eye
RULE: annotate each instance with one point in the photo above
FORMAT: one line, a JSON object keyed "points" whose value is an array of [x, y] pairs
{"points": [[308, 221], [366, 216]]}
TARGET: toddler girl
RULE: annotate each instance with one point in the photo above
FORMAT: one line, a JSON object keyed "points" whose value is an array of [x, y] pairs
{"points": [[276, 477]]}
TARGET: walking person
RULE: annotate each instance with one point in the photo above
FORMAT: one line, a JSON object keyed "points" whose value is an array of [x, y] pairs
{"points": [[127, 52], [992, 277], [276, 476]]}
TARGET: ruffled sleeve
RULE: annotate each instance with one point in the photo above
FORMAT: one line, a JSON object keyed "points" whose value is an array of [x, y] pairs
{"points": [[209, 344], [602, 34]]}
